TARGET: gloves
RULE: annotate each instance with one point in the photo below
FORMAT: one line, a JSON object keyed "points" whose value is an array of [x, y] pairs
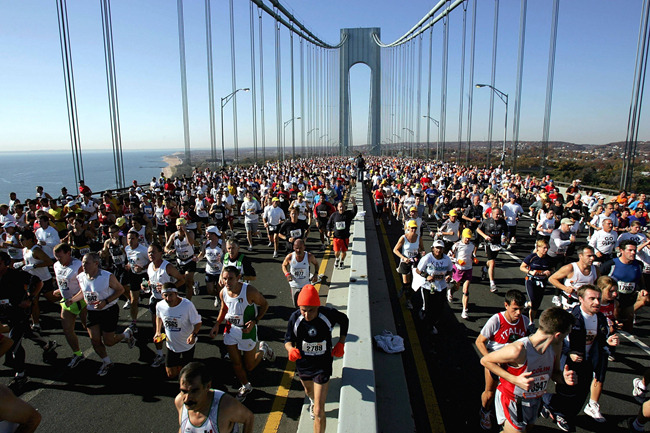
{"points": [[337, 350], [28, 268], [294, 354]]}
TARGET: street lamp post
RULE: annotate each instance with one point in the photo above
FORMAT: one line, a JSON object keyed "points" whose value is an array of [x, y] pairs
{"points": [[435, 122], [412, 135], [284, 138], [225, 101], [309, 133], [320, 142], [504, 98]]}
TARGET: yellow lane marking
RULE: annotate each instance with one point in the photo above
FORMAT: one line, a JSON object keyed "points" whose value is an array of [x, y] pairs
{"points": [[428, 394], [280, 400]]}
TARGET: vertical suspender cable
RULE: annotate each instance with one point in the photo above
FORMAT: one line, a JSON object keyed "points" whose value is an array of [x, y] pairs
{"points": [[293, 102], [411, 106], [520, 74], [234, 81], [302, 97], [637, 99], [208, 43], [462, 85], [418, 116], [494, 71], [429, 96], [470, 98], [443, 87], [70, 94], [181, 50], [253, 81], [309, 97], [261, 40], [549, 84], [278, 92], [111, 85]]}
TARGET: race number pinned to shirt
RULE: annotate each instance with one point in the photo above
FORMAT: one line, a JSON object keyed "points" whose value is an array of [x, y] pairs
{"points": [[340, 225], [314, 349], [91, 298], [295, 233], [538, 387], [234, 319]]}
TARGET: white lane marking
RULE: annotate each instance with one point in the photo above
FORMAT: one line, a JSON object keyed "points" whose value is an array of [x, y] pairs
{"points": [[636, 341]]}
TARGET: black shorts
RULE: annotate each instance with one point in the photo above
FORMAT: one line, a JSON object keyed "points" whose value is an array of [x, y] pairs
{"points": [[179, 359], [204, 220], [273, 228], [491, 255], [170, 228], [627, 300], [512, 231], [187, 267], [535, 291], [120, 273], [152, 305], [320, 377], [160, 230], [321, 224], [48, 286], [105, 319], [404, 268], [134, 280], [212, 278]]}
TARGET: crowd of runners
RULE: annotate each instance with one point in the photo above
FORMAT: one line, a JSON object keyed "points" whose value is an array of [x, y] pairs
{"points": [[96, 254]]}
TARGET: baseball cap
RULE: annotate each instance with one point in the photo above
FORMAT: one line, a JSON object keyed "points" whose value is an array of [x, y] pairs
{"points": [[213, 229], [438, 243], [120, 221], [467, 233], [566, 221], [453, 212], [412, 208], [275, 199], [9, 224], [411, 224], [181, 221]]}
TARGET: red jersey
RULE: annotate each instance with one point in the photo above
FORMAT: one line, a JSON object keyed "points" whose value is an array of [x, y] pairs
{"points": [[379, 198], [509, 332]]}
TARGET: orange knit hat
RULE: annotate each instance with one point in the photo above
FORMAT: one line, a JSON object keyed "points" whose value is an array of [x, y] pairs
{"points": [[308, 297]]}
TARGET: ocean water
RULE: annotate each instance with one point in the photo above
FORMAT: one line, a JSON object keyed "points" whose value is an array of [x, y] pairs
{"points": [[21, 172]]}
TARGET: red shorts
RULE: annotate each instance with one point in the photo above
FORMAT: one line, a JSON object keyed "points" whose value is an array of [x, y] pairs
{"points": [[340, 244]]}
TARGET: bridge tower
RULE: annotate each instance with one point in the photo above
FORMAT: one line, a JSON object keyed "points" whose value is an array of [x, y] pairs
{"points": [[359, 46]]}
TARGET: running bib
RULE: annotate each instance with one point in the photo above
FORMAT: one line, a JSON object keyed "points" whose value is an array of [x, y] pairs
{"points": [[340, 225], [218, 215], [379, 201], [235, 320], [4, 302], [322, 213], [299, 273], [411, 253], [626, 288], [314, 349], [63, 284], [646, 268], [84, 251], [273, 228], [118, 260], [495, 247], [538, 387], [295, 233], [171, 324], [91, 298]]}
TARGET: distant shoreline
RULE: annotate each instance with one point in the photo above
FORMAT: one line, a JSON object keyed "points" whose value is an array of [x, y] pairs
{"points": [[172, 162]]}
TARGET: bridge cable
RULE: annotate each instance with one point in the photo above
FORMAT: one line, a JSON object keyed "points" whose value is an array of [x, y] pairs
{"points": [[253, 81], [293, 102], [261, 44], [443, 87], [520, 74], [470, 99], [494, 71], [302, 97], [208, 43], [462, 86], [429, 97], [181, 50], [234, 80], [418, 116], [278, 92], [549, 84], [70, 94]]}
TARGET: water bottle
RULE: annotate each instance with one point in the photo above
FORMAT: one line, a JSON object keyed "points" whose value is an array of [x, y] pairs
{"points": [[146, 288]]}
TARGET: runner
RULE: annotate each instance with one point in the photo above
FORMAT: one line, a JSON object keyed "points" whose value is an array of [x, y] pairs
{"points": [[338, 227], [203, 409], [293, 228], [272, 217], [181, 322], [251, 209], [181, 242], [242, 306], [494, 230], [322, 212], [537, 268], [66, 270], [135, 273], [462, 254], [234, 257], [499, 330], [213, 255], [308, 341], [603, 242], [525, 368], [101, 291], [409, 248], [296, 268]]}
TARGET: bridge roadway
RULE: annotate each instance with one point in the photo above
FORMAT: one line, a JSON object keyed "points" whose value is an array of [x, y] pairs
{"points": [[433, 386]]}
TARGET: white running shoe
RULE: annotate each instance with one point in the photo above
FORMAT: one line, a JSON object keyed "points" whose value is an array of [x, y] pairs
{"points": [[216, 302], [268, 353], [450, 296], [639, 389], [593, 410], [127, 305], [75, 361], [275, 254], [103, 370], [556, 301], [270, 244], [197, 288], [158, 361], [463, 315], [493, 287], [129, 338], [311, 411], [244, 391]]}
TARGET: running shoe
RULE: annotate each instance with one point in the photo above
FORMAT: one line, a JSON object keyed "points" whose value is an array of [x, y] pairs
{"points": [[268, 353], [450, 297], [639, 389], [486, 421], [158, 361], [434, 330], [556, 301], [250, 248], [18, 382], [103, 370], [493, 287], [275, 254], [36, 327], [311, 411], [463, 315], [546, 412], [75, 361], [197, 288], [389, 222], [611, 358], [336, 263], [126, 305], [484, 273], [527, 304], [50, 347], [129, 338], [244, 391], [133, 327], [593, 410], [341, 265], [270, 244], [562, 423], [216, 302]]}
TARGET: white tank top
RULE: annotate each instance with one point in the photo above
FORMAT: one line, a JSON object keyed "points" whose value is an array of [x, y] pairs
{"points": [[66, 278], [213, 258], [239, 310], [141, 236], [299, 271], [96, 289], [578, 280], [14, 251], [156, 276], [184, 251], [211, 421], [410, 249], [42, 273], [137, 257]]}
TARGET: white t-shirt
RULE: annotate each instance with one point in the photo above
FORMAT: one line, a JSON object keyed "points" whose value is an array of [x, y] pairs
{"points": [[178, 323], [591, 324]]}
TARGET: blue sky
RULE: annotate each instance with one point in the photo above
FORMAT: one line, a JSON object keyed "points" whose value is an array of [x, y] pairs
{"points": [[596, 52]]}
